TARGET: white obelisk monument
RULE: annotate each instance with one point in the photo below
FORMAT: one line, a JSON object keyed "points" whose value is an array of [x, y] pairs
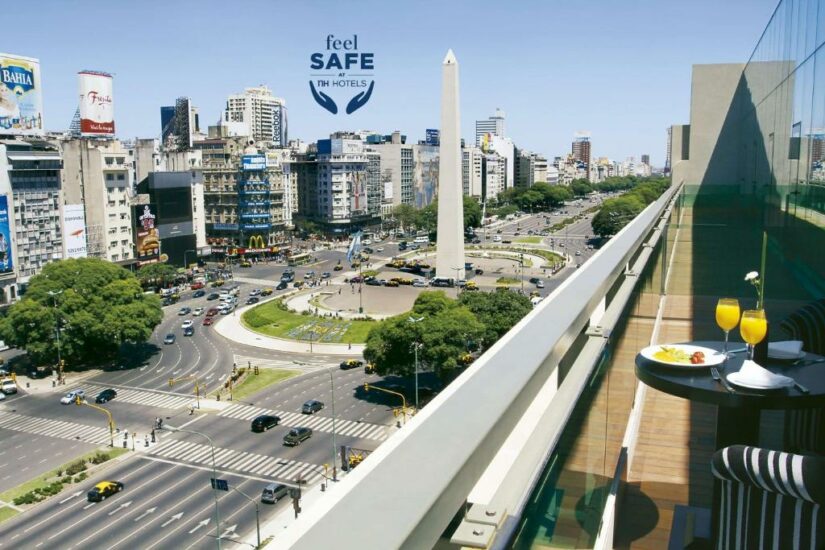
{"points": [[450, 248]]}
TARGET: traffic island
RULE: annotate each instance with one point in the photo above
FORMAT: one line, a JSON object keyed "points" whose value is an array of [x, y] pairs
{"points": [[246, 382]]}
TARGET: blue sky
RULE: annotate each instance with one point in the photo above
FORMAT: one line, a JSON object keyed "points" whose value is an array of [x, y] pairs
{"points": [[617, 68]]}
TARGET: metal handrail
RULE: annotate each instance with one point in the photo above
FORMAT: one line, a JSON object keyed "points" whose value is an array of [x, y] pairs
{"points": [[437, 459]]}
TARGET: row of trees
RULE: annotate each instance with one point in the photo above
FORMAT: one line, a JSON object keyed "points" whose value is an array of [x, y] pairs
{"points": [[447, 331], [426, 219], [97, 306], [615, 213]]}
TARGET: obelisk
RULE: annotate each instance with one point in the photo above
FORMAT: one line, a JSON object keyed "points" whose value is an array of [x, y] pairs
{"points": [[450, 248]]}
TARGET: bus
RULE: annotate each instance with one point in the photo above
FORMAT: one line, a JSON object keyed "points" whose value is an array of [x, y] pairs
{"points": [[299, 259]]}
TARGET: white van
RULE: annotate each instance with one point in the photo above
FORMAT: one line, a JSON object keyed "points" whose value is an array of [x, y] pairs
{"points": [[422, 240]]}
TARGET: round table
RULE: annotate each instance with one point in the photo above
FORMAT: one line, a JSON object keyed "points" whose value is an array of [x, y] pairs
{"points": [[738, 420]]}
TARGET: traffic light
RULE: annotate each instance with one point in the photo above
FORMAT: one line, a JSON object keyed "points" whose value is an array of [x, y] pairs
{"points": [[171, 382], [366, 387], [77, 400]]}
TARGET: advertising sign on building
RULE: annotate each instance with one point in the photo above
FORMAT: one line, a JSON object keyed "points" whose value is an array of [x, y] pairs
{"points": [[74, 231], [253, 162], [6, 263], [21, 101], [147, 239], [97, 114], [432, 136]]}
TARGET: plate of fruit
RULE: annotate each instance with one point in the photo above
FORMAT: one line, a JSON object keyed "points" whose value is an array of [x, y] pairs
{"points": [[683, 355]]}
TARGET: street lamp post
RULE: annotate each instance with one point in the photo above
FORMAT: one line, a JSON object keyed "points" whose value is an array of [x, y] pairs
{"points": [[521, 264], [214, 475], [54, 295], [332, 391], [415, 348], [257, 513], [457, 271]]}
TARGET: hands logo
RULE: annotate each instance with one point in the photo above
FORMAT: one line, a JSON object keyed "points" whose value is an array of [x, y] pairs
{"points": [[342, 56]]}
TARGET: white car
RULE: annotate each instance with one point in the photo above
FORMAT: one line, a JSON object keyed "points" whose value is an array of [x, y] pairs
{"points": [[72, 396], [2, 396], [197, 311], [188, 323], [8, 387], [255, 292], [380, 249], [420, 283]]}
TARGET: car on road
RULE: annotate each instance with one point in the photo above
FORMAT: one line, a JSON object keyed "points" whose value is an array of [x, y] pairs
{"points": [[540, 284], [226, 309], [282, 285], [213, 296], [189, 331], [197, 311], [208, 321], [212, 311], [246, 264], [274, 492], [312, 406], [479, 271], [72, 396], [264, 422], [414, 247], [105, 396], [326, 275], [351, 364], [103, 490], [8, 387], [252, 300], [185, 311], [199, 294], [267, 292], [255, 292], [391, 283], [338, 267], [2, 396], [372, 281], [309, 275], [496, 238], [380, 249], [296, 436], [170, 339], [420, 283], [534, 280], [298, 284], [288, 277], [578, 252], [186, 324]]}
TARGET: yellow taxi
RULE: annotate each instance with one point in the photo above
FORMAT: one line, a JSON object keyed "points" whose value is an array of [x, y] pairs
{"points": [[104, 489], [266, 292], [338, 267]]}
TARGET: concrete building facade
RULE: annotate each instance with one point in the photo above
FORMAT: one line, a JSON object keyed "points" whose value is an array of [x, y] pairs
{"points": [[259, 114]]}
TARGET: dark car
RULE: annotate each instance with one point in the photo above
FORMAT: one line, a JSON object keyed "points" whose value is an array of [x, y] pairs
{"points": [[296, 436], [198, 294], [402, 245], [288, 277], [105, 396], [326, 275], [104, 489], [252, 300], [282, 285], [166, 302], [298, 284], [312, 406], [479, 271], [534, 280], [189, 331], [208, 321], [212, 311], [264, 422], [372, 281], [351, 364], [274, 492], [213, 296], [170, 339]]}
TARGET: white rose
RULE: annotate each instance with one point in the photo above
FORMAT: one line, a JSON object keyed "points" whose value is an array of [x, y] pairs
{"points": [[751, 276]]}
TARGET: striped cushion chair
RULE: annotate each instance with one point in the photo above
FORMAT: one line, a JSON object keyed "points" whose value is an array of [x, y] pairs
{"points": [[769, 499], [805, 429]]}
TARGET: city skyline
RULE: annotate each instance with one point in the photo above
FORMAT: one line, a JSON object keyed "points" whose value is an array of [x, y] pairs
{"points": [[157, 59]]}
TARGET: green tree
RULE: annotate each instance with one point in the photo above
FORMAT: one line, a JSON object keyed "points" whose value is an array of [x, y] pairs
{"points": [[406, 215], [615, 214], [157, 275], [498, 311], [580, 187], [472, 212], [446, 331], [97, 304]]}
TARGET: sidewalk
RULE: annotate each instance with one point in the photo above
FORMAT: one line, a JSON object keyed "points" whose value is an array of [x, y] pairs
{"points": [[44, 385], [230, 327]]}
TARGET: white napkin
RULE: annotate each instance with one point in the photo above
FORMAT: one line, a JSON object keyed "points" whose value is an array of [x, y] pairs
{"points": [[789, 349], [754, 375]]}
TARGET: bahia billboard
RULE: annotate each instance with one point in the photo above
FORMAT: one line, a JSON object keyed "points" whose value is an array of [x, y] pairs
{"points": [[6, 263], [97, 114], [74, 231], [21, 101]]}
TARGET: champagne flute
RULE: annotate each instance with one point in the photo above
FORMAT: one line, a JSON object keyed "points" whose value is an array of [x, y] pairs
{"points": [[727, 317], [753, 327]]}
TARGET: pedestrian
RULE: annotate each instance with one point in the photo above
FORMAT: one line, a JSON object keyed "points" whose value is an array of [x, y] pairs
{"points": [[191, 410], [339, 292]]}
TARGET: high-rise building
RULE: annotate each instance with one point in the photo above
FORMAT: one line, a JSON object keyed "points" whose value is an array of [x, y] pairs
{"points": [[493, 175], [258, 114], [397, 166], [581, 150], [179, 124], [30, 204], [646, 159], [472, 171], [493, 125], [97, 175], [171, 203]]}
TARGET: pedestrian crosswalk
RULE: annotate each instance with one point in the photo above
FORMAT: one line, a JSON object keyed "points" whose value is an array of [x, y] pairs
{"points": [[361, 430], [163, 400], [239, 461], [308, 364], [54, 428]]}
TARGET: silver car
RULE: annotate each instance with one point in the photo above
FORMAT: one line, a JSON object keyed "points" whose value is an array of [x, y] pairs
{"points": [[72, 396]]}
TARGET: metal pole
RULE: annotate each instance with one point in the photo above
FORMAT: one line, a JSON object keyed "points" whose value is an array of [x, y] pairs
{"points": [[416, 376], [334, 463], [521, 263], [257, 515]]}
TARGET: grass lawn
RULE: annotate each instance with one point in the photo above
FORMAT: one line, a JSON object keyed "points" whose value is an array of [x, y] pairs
{"points": [[272, 319], [529, 239], [252, 384], [506, 281], [48, 477], [7, 513]]}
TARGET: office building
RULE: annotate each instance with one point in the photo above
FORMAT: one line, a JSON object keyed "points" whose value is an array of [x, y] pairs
{"points": [[180, 125], [472, 171], [258, 114], [493, 175], [97, 175], [581, 150], [493, 125], [31, 206], [397, 166]]}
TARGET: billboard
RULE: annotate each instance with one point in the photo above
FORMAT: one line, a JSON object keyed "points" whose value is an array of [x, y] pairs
{"points": [[147, 239], [6, 263], [253, 162], [21, 101], [74, 231], [97, 114]]}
